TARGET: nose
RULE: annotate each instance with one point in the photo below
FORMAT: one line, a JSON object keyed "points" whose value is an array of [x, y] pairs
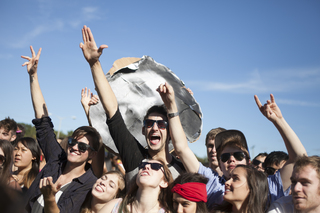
{"points": [[227, 183], [180, 208], [232, 158], [155, 126], [297, 187]]}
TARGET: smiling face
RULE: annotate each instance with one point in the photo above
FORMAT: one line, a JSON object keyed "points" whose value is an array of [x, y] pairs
{"points": [[75, 155], [156, 138], [106, 187], [150, 177], [306, 189], [182, 205], [236, 188], [228, 166], [22, 156]]}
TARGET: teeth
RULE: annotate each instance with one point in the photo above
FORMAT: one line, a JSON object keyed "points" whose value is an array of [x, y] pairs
{"points": [[99, 188]]}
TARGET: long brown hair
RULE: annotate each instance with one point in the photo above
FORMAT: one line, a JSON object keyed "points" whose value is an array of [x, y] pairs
{"points": [[162, 198], [5, 169], [258, 195]]}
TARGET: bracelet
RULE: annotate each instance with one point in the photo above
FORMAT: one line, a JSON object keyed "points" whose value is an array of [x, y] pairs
{"points": [[171, 115]]}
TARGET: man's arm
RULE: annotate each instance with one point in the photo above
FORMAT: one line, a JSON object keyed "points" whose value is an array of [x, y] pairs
{"points": [[92, 54], [88, 99], [293, 144], [178, 136], [39, 105]]}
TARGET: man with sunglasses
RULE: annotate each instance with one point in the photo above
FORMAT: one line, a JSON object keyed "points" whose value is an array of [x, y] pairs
{"points": [[67, 176], [232, 150], [155, 124], [258, 161]]}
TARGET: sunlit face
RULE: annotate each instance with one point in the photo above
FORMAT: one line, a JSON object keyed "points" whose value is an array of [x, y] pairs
{"points": [[236, 188], [22, 156], [306, 190], [151, 177], [212, 153], [182, 205], [6, 135], [156, 138], [232, 162], [74, 154], [106, 187]]}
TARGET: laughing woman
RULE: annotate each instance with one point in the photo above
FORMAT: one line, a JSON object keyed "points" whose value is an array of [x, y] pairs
{"points": [[245, 192], [149, 194], [27, 160]]}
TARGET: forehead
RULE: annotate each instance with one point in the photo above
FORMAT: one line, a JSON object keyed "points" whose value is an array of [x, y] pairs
{"points": [[19, 144], [231, 149], [239, 171], [307, 172], [261, 158], [85, 139], [210, 142], [3, 130], [112, 177], [156, 116], [180, 199]]}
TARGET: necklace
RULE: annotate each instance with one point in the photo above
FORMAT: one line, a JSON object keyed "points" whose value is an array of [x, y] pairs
{"points": [[134, 206]]}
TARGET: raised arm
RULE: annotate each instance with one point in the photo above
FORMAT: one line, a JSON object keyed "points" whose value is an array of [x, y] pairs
{"points": [[88, 99], [39, 105], [92, 54], [178, 136], [293, 144]]}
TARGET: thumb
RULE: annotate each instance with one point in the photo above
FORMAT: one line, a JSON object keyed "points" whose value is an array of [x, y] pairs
{"points": [[81, 45], [103, 46]]}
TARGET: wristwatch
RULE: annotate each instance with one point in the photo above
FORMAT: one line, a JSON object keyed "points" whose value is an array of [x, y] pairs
{"points": [[171, 115]]}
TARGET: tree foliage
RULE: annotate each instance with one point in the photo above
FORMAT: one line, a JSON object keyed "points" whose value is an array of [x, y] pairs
{"points": [[30, 131]]}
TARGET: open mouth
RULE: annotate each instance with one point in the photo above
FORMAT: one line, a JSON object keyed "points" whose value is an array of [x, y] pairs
{"points": [[154, 139]]}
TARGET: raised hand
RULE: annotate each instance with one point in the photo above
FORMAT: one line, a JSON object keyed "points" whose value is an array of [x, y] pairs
{"points": [[32, 63], [167, 95], [270, 109], [48, 188], [89, 48]]}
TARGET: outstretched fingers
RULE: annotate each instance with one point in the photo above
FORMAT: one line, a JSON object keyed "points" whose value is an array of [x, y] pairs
{"points": [[272, 98]]}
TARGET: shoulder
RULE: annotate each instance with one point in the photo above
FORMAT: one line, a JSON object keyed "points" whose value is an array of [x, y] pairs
{"points": [[111, 205], [282, 205]]}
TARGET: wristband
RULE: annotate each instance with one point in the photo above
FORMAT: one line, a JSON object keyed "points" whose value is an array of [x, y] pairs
{"points": [[171, 115]]}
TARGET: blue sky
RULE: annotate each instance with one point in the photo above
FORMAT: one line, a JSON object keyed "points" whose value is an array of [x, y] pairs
{"points": [[225, 51]]}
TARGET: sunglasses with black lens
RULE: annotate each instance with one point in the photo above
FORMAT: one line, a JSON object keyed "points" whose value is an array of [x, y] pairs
{"points": [[239, 156], [154, 166], [270, 170], [256, 162], [2, 160], [160, 123], [83, 147]]}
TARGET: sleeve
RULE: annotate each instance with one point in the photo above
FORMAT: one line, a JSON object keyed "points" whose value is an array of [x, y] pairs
{"points": [[130, 150], [47, 139], [275, 187], [215, 187]]}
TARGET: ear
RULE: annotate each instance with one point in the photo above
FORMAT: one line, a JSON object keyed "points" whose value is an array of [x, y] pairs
{"points": [[33, 158], [143, 129], [163, 184], [92, 154], [13, 137]]}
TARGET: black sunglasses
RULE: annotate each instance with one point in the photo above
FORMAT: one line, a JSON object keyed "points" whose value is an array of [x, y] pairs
{"points": [[154, 166], [256, 162], [2, 160], [239, 156], [270, 170], [83, 147], [160, 123]]}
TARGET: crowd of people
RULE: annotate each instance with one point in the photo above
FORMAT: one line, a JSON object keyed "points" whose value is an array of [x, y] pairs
{"points": [[142, 180]]}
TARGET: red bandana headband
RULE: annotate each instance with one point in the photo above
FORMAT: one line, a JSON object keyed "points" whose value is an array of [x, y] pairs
{"points": [[192, 191]]}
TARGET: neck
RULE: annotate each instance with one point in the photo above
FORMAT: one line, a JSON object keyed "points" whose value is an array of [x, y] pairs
{"points": [[72, 169], [239, 207], [24, 170], [163, 155], [96, 205], [146, 200]]}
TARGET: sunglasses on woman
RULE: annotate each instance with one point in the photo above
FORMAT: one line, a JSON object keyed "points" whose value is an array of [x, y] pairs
{"points": [[160, 123], [257, 162], [83, 147], [2, 160], [153, 166], [239, 156]]}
